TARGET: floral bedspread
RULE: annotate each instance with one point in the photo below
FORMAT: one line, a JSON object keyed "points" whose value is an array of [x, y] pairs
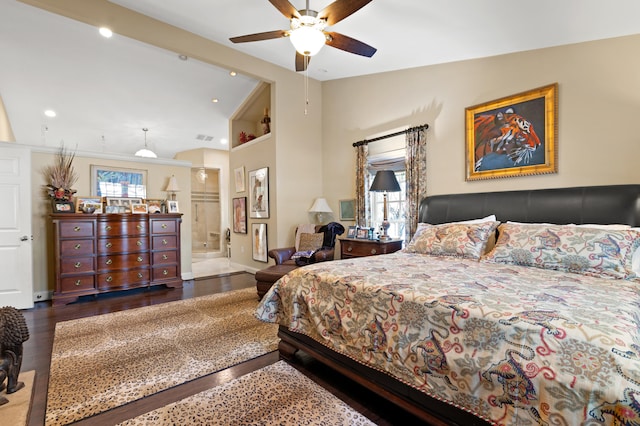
{"points": [[511, 344]]}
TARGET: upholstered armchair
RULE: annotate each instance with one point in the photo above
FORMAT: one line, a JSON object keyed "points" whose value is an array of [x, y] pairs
{"points": [[265, 278], [283, 256]]}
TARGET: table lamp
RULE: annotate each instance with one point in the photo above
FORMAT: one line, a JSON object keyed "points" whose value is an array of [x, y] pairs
{"points": [[319, 207], [173, 187], [385, 181]]}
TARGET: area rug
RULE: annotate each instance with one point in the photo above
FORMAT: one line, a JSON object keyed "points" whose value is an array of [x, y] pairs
{"points": [[274, 395], [106, 361], [16, 411]]}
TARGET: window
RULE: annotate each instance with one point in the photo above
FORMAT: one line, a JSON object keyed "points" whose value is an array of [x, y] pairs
{"points": [[396, 205]]}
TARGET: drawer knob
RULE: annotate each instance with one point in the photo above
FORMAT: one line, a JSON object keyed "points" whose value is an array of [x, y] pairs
{"points": [[108, 227], [139, 227], [163, 226], [165, 257], [76, 228], [373, 251], [109, 279], [164, 242], [139, 275], [109, 261], [77, 265], [139, 258], [77, 246], [109, 245], [78, 282], [165, 272], [349, 248], [138, 243]]}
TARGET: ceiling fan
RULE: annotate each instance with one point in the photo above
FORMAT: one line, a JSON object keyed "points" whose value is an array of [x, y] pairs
{"points": [[308, 33]]}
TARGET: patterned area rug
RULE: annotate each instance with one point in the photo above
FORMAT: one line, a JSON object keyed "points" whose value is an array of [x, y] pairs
{"points": [[274, 395], [105, 361]]}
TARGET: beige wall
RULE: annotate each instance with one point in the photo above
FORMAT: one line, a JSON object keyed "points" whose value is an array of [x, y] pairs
{"points": [[599, 103], [158, 174]]}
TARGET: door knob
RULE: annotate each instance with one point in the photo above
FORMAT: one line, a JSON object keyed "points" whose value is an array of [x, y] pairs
{"points": [[24, 238]]}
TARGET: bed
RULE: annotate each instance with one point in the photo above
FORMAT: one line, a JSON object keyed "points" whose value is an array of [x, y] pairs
{"points": [[539, 327]]}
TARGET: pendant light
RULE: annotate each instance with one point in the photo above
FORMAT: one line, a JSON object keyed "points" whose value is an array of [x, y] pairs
{"points": [[145, 152]]}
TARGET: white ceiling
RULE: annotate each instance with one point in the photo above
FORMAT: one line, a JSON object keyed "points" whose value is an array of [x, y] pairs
{"points": [[114, 88]]}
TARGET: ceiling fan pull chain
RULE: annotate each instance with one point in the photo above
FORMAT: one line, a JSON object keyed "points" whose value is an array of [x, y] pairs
{"points": [[306, 85]]}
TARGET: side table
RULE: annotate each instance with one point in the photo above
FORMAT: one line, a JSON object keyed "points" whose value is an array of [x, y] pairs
{"points": [[354, 247]]}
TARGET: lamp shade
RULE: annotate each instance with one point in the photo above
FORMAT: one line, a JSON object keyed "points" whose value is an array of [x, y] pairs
{"points": [[173, 185], [385, 181], [320, 205], [307, 40]]}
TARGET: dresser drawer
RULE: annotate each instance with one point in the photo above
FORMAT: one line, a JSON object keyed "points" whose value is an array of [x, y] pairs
{"points": [[167, 272], [122, 228], [123, 261], [123, 279], [75, 229], [120, 245], [77, 247], [77, 265], [164, 242], [360, 248], [163, 226], [70, 284], [164, 257]]}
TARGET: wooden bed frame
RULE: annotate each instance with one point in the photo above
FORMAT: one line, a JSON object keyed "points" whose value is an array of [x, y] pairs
{"points": [[579, 205]]}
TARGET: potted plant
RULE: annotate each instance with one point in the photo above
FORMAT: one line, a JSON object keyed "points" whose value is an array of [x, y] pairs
{"points": [[61, 177]]}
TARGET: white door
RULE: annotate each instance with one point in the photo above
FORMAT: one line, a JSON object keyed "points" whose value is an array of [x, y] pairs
{"points": [[16, 282]]}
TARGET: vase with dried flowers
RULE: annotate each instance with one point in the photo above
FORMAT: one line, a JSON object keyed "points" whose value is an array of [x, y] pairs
{"points": [[61, 177]]}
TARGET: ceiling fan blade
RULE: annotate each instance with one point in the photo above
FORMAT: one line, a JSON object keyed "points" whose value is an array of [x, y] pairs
{"points": [[340, 9], [259, 36], [301, 62], [348, 44], [286, 8]]}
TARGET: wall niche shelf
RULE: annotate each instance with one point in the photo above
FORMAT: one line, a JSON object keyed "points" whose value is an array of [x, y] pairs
{"points": [[248, 118]]}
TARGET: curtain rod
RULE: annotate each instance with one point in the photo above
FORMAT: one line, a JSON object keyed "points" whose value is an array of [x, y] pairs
{"points": [[411, 129]]}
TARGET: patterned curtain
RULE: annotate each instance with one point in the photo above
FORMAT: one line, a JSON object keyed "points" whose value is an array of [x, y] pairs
{"points": [[416, 175], [362, 185]]}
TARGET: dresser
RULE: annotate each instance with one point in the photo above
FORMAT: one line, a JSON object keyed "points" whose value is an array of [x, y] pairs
{"points": [[353, 247], [111, 252]]}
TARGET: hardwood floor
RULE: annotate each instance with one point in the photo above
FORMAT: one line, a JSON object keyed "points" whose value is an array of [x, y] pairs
{"points": [[42, 319]]}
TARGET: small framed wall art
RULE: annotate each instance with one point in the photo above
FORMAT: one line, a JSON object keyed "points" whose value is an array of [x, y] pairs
{"points": [[348, 209], [259, 193], [240, 215], [259, 235]]}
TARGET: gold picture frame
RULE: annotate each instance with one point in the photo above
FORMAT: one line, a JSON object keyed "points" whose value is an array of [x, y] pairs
{"points": [[513, 136]]}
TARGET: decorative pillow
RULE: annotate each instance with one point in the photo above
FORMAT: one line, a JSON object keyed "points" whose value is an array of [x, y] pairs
{"points": [[452, 239], [588, 251], [491, 241], [310, 241]]}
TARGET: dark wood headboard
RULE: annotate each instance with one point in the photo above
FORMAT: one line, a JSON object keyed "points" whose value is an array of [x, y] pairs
{"points": [[586, 204]]}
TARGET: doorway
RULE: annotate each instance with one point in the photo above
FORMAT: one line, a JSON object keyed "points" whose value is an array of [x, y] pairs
{"points": [[206, 210]]}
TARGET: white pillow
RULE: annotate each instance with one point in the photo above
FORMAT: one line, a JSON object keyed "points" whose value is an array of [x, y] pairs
{"points": [[490, 218]]}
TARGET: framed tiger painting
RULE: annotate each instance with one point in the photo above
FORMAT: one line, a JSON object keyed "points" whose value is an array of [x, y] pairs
{"points": [[513, 136]]}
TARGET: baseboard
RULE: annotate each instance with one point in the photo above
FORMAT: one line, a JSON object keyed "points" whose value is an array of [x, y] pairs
{"points": [[40, 296]]}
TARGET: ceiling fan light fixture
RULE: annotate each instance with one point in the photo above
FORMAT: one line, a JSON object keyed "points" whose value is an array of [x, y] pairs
{"points": [[307, 35]]}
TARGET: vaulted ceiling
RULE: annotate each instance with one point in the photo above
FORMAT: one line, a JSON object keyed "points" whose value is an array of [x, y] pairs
{"points": [[106, 91]]}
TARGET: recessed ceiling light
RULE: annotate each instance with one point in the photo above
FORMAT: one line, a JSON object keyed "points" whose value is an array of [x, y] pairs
{"points": [[50, 113], [215, 100], [233, 73], [224, 141], [183, 57], [105, 32]]}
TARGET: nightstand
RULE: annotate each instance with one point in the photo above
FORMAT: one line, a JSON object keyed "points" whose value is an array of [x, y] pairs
{"points": [[353, 247]]}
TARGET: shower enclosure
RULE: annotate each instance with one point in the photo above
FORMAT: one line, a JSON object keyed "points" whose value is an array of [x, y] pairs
{"points": [[205, 213]]}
